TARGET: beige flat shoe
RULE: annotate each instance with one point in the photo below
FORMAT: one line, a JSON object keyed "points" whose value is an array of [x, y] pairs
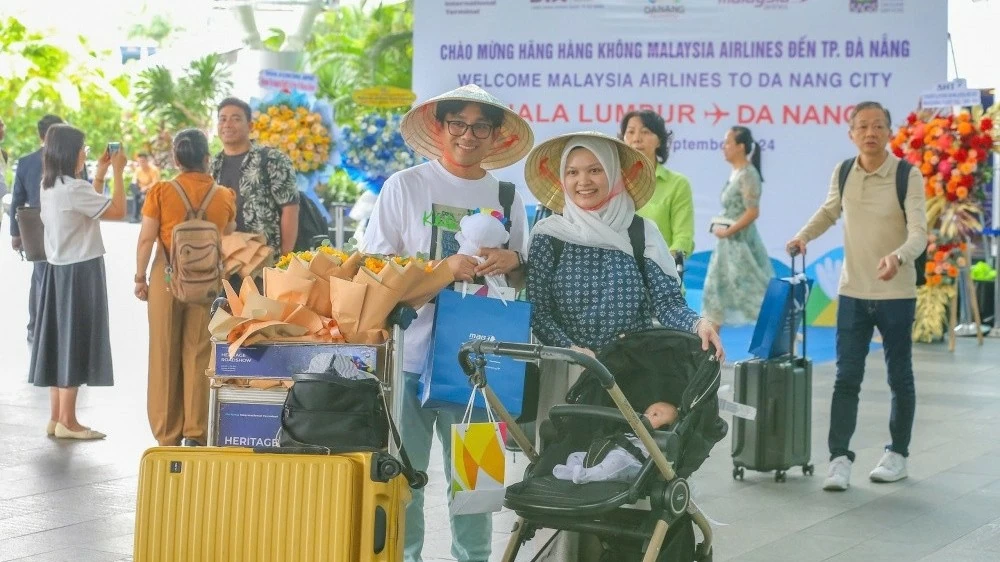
{"points": [[63, 433], [50, 429]]}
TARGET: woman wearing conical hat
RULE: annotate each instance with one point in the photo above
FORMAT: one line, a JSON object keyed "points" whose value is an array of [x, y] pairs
{"points": [[597, 270], [464, 133]]}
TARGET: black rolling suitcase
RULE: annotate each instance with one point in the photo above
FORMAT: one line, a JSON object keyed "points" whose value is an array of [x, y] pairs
{"points": [[781, 389]]}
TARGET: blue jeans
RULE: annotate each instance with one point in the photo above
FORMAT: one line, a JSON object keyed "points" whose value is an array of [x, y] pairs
{"points": [[856, 320], [471, 534]]}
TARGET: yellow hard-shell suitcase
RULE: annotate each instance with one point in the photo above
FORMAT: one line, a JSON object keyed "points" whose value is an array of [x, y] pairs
{"points": [[229, 504]]}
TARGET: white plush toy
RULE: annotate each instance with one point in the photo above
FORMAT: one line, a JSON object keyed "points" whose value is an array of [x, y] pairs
{"points": [[478, 231]]}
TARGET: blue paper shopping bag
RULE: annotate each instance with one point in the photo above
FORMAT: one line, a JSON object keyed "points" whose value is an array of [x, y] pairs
{"points": [[780, 316], [458, 319]]}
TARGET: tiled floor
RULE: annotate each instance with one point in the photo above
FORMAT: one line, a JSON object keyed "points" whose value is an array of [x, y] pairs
{"points": [[63, 501]]}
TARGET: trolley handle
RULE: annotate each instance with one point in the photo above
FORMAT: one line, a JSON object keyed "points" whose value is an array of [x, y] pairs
{"points": [[791, 329], [529, 352]]}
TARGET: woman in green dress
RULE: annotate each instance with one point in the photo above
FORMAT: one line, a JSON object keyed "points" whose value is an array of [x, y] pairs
{"points": [[739, 269], [671, 207]]}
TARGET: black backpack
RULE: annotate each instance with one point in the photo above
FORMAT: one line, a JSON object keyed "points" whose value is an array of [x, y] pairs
{"points": [[902, 181], [313, 228]]}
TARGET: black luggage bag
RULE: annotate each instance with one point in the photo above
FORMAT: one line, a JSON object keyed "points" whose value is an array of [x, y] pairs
{"points": [[781, 389]]}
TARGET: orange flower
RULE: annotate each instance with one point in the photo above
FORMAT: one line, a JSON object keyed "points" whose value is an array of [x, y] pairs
{"points": [[940, 256], [952, 271], [962, 192], [967, 168], [964, 117], [374, 264], [965, 129], [928, 268], [962, 246], [926, 168]]}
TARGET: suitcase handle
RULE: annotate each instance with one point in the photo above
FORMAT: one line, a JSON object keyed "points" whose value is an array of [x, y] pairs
{"points": [[791, 329]]}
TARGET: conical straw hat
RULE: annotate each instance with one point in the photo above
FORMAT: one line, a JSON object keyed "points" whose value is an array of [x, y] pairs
{"points": [[421, 130], [542, 173]]}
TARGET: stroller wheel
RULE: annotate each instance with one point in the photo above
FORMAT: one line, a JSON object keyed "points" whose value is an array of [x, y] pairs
{"points": [[738, 473], [419, 480], [707, 557], [808, 469], [779, 475]]}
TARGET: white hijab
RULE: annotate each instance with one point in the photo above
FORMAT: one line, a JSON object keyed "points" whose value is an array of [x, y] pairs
{"points": [[606, 227]]}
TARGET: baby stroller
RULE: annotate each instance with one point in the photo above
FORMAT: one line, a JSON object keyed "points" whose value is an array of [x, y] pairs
{"points": [[650, 517]]}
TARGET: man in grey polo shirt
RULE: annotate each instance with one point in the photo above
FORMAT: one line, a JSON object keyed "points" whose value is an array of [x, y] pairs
{"points": [[877, 288]]}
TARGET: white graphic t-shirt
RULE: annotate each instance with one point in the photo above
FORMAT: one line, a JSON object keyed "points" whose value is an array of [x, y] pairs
{"points": [[418, 211]]}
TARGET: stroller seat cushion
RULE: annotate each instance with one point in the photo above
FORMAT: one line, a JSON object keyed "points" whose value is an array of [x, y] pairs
{"points": [[549, 495]]}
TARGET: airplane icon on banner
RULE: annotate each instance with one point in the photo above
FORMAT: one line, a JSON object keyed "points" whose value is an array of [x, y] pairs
{"points": [[719, 113]]}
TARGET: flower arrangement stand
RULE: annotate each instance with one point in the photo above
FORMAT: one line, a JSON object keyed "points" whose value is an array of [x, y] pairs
{"points": [[970, 303]]}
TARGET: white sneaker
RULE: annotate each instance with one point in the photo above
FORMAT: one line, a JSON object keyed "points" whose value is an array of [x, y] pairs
{"points": [[838, 478], [891, 468]]}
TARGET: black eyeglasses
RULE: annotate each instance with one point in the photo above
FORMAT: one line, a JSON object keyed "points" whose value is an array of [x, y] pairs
{"points": [[479, 130]]}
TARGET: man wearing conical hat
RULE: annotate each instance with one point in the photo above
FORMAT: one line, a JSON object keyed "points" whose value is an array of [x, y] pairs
{"points": [[463, 133]]}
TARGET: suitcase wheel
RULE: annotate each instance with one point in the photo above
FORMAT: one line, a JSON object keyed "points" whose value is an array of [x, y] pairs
{"points": [[388, 468], [808, 469], [738, 473], [779, 475]]}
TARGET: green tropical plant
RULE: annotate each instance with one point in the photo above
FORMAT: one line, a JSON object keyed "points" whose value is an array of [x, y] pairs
{"points": [[353, 48], [42, 73], [159, 28], [167, 104], [185, 101]]}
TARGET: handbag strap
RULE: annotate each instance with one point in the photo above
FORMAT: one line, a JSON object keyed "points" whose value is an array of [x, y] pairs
{"points": [[415, 478]]}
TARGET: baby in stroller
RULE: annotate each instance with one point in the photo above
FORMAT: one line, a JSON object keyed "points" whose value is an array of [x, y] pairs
{"points": [[616, 458]]}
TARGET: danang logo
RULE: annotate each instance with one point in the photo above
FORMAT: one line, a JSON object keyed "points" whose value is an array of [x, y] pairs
{"points": [[664, 7]]}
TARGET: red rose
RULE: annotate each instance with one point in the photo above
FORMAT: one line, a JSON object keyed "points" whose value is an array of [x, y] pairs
{"points": [[898, 152], [916, 143], [950, 196], [961, 155], [966, 181], [911, 118], [985, 124]]}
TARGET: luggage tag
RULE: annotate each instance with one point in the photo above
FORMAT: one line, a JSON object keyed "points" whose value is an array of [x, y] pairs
{"points": [[739, 410]]}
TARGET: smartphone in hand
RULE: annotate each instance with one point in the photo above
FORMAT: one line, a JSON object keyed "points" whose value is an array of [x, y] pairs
{"points": [[114, 147]]}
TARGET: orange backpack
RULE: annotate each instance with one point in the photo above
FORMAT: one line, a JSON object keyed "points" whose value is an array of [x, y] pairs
{"points": [[194, 272]]}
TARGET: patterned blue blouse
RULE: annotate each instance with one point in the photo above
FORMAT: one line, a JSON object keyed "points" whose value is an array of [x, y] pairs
{"points": [[594, 294]]}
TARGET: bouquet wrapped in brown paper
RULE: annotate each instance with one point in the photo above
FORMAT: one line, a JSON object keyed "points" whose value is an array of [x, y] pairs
{"points": [[245, 254], [326, 295], [256, 318]]}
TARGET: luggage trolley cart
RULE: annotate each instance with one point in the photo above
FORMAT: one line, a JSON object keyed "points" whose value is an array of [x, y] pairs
{"points": [[247, 413]]}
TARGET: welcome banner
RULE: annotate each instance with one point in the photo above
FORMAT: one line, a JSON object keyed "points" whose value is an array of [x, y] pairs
{"points": [[790, 70]]}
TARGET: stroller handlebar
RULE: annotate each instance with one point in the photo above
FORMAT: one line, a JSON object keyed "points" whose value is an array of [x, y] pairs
{"points": [[531, 352]]}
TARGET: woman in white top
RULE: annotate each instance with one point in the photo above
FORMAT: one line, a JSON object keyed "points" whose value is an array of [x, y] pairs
{"points": [[72, 344]]}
